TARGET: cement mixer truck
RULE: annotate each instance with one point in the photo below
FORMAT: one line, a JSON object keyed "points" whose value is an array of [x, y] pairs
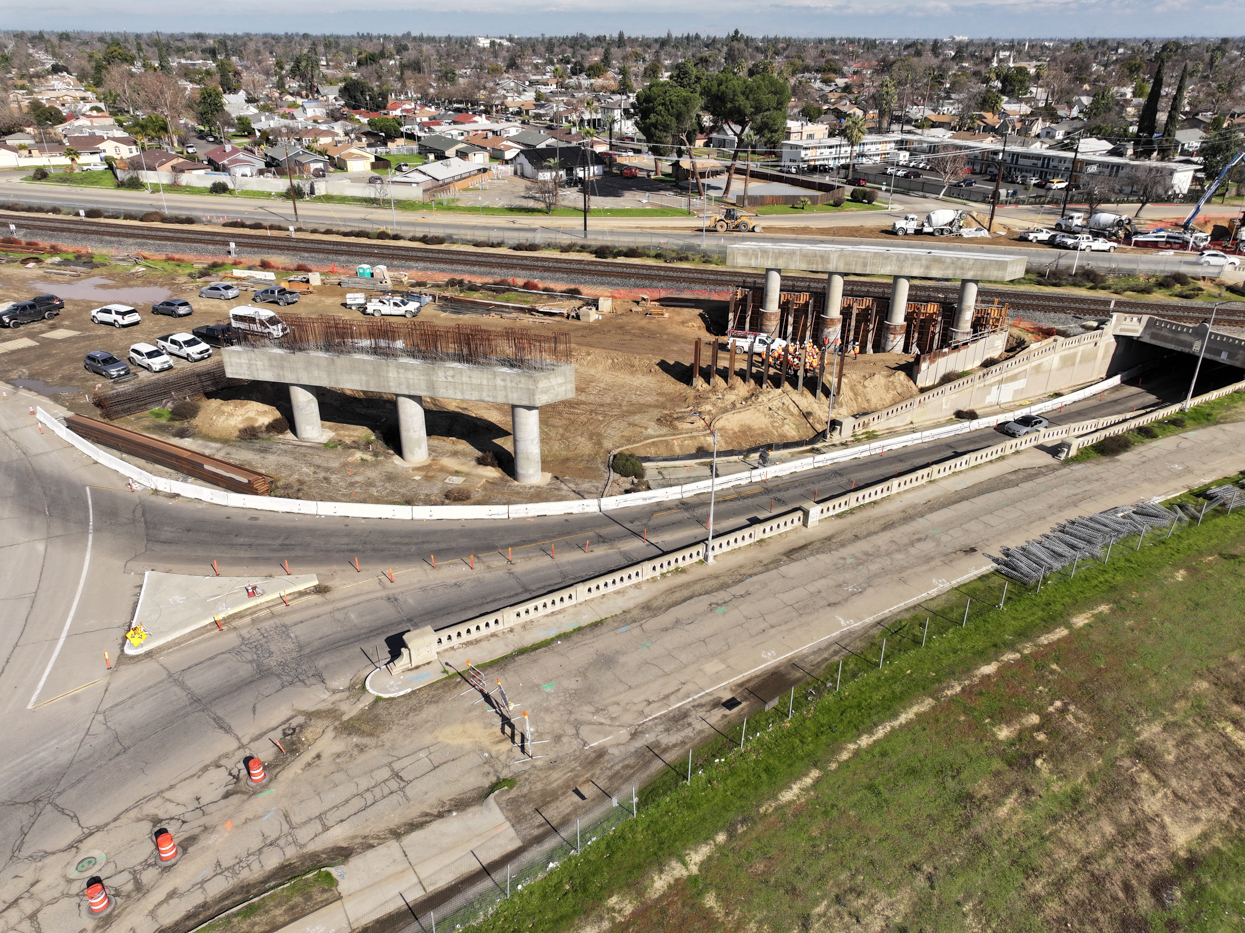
{"points": [[943, 222], [1100, 224]]}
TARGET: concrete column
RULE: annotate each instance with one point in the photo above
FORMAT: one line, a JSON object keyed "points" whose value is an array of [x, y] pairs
{"points": [[306, 412], [895, 324], [411, 429], [963, 328], [769, 302], [832, 313], [526, 443]]}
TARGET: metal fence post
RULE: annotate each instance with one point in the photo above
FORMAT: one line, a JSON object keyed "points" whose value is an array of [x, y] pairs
{"points": [[633, 810], [1003, 601], [689, 766], [577, 847], [1141, 537], [743, 735], [966, 605], [791, 703], [838, 679], [1171, 529], [925, 634], [883, 657]]}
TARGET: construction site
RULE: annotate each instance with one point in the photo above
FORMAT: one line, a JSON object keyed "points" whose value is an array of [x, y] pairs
{"points": [[633, 365]]}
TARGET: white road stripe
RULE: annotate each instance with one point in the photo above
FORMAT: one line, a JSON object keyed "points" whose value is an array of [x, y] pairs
{"points": [[86, 563]]}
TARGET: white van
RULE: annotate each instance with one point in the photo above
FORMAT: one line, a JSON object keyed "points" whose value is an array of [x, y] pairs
{"points": [[261, 321]]}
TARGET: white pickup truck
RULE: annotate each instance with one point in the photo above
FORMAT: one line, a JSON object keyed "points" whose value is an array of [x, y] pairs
{"points": [[187, 346], [396, 305], [1083, 241]]}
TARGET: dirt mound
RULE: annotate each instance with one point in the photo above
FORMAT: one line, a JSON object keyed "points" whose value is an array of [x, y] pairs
{"points": [[225, 418]]}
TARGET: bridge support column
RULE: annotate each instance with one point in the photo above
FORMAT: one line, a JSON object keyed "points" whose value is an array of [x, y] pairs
{"points": [[411, 429], [526, 421], [769, 302], [831, 320], [963, 328], [306, 412], [896, 325]]}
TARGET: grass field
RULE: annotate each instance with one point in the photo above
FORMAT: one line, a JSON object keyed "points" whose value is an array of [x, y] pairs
{"points": [[1072, 761], [78, 179]]}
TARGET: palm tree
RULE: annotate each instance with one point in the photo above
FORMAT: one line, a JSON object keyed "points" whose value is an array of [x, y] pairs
{"points": [[853, 130], [73, 155]]}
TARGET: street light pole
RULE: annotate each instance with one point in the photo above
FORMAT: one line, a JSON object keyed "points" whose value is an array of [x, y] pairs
{"points": [[1198, 368], [713, 487]]}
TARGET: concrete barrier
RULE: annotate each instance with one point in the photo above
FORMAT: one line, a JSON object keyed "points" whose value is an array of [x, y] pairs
{"points": [[564, 507]]}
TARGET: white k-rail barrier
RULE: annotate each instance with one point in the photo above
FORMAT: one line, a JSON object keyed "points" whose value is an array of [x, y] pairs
{"points": [[571, 507]]}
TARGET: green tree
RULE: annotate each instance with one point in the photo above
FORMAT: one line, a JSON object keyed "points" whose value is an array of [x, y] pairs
{"points": [[1148, 120], [687, 76], [991, 100], [365, 58], [114, 53], [1016, 81], [389, 127], [666, 113], [358, 94], [595, 70], [211, 104], [625, 86], [244, 126], [230, 76], [447, 75], [162, 54], [887, 96], [73, 155], [1141, 89], [853, 130], [1101, 106], [652, 71], [1217, 151], [1167, 143], [811, 113], [738, 103]]}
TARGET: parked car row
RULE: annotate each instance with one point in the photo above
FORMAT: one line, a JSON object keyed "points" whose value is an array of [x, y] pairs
{"points": [[154, 358]]}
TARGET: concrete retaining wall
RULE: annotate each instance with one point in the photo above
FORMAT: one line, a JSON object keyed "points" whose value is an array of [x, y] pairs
{"points": [[1042, 369], [313, 186], [933, 366]]}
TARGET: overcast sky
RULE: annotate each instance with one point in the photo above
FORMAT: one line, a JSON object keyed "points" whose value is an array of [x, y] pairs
{"points": [[878, 18]]}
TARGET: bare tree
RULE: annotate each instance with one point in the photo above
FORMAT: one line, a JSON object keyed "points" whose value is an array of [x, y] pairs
{"points": [[123, 85], [950, 165], [546, 191], [160, 93], [1097, 188], [1146, 182]]}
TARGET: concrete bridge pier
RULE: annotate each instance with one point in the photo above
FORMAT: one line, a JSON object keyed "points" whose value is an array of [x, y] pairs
{"points": [[770, 315], [526, 420], [896, 325], [411, 428], [306, 412], [963, 328], [831, 319]]}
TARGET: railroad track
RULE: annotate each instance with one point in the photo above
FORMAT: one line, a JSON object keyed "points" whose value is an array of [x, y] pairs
{"points": [[569, 271]]}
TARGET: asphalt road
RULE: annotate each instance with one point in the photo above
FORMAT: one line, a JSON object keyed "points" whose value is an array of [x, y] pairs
{"points": [[85, 743]]}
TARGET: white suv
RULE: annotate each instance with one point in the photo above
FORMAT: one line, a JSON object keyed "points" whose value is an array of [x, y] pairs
{"points": [[150, 358], [116, 315]]}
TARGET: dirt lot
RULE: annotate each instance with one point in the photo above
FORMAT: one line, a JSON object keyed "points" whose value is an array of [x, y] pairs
{"points": [[632, 371]]}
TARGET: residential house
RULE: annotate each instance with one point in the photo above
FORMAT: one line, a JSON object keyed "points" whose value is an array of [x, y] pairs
{"points": [[350, 158], [240, 163], [798, 129], [439, 146], [533, 139], [562, 162], [1189, 141], [153, 160], [1062, 130], [497, 146], [119, 147], [295, 159]]}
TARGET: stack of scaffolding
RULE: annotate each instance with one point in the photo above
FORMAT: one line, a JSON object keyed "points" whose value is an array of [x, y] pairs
{"points": [[1082, 538]]}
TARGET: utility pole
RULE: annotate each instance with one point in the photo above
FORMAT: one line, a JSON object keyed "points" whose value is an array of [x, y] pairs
{"points": [[585, 181], [998, 178], [1067, 191], [290, 178]]}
